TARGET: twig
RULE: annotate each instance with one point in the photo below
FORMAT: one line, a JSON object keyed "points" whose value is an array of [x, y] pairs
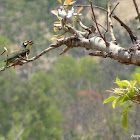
{"points": [[107, 44], [99, 24], [22, 58], [87, 6], [137, 10], [65, 50], [83, 26], [5, 50], [131, 34], [95, 19], [111, 25], [107, 17], [114, 8]]}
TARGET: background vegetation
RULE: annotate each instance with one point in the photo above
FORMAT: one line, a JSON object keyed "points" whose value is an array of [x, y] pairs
{"points": [[57, 97]]}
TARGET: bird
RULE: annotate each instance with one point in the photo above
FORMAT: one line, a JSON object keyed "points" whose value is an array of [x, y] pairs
{"points": [[19, 54]]}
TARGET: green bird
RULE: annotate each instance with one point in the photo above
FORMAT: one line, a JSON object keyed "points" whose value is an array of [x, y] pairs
{"points": [[22, 52]]}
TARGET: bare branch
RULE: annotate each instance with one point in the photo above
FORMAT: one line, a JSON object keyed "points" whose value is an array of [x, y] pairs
{"points": [[97, 23], [110, 24], [114, 8], [95, 18], [137, 10], [65, 50], [90, 29], [83, 26], [131, 34], [87, 6]]}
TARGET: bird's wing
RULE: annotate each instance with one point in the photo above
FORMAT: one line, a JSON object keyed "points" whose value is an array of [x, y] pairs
{"points": [[17, 54]]}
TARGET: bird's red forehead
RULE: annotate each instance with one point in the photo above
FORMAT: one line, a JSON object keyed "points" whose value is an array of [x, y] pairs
{"points": [[27, 40]]}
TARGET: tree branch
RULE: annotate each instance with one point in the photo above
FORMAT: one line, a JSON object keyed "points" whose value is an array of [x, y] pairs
{"points": [[114, 8], [98, 53], [94, 19], [137, 10], [87, 6], [110, 24], [131, 34], [94, 43]]}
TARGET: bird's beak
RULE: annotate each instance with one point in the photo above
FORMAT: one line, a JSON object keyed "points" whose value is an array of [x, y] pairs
{"points": [[31, 42]]}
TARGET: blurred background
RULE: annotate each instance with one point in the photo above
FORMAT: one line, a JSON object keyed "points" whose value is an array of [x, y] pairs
{"points": [[61, 97]]}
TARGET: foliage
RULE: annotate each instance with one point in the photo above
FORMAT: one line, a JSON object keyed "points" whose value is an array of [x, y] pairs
{"points": [[28, 113], [127, 91]]}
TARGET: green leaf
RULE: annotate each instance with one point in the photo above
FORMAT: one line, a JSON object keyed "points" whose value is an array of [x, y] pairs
{"points": [[134, 83], [119, 99], [138, 27], [123, 83], [114, 103], [138, 77], [127, 108], [125, 98], [124, 120], [124, 117], [109, 99], [132, 92]]}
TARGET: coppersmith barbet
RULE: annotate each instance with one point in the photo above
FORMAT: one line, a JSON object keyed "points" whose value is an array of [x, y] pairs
{"points": [[22, 52]]}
